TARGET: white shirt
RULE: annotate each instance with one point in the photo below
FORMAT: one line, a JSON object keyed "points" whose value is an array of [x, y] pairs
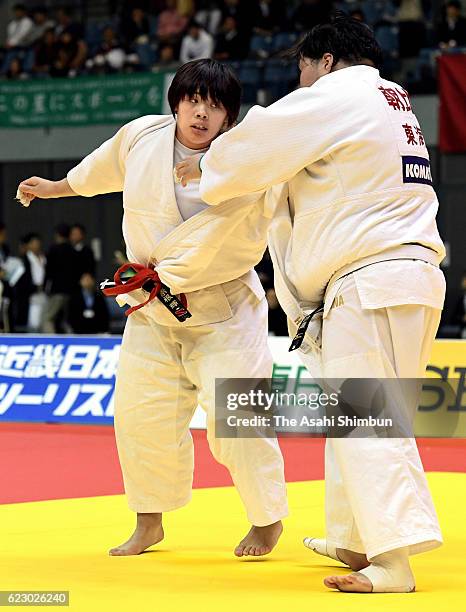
{"points": [[37, 268], [197, 48], [18, 31], [188, 199]]}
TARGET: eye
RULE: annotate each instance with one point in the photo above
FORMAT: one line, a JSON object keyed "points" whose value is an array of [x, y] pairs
{"points": [[213, 105]]}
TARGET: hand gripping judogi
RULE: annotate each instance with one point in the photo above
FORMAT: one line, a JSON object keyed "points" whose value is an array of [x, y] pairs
{"points": [[169, 364], [354, 239]]}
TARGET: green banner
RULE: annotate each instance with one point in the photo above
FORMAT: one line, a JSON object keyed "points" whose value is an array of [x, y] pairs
{"points": [[82, 100]]}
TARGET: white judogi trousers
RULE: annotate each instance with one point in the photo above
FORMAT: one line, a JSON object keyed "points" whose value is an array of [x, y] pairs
{"points": [[377, 497], [163, 373]]}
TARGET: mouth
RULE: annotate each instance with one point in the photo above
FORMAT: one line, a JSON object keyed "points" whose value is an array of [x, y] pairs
{"points": [[199, 128]]}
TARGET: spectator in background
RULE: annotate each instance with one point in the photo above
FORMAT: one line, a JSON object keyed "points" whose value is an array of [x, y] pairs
{"points": [[17, 38], [196, 44], [110, 55], [46, 52], [231, 44], [29, 295], [171, 24], [85, 255], [135, 29], [268, 17], [166, 56], [19, 28], [65, 23], [42, 23], [88, 311], [410, 19], [209, 15], [71, 55], [15, 69], [62, 275], [452, 29], [241, 12], [309, 13]]}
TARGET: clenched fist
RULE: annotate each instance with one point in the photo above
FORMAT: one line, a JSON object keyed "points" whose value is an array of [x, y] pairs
{"points": [[37, 187]]}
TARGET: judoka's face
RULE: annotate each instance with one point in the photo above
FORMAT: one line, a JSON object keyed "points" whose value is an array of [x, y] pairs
{"points": [[199, 121], [313, 69]]}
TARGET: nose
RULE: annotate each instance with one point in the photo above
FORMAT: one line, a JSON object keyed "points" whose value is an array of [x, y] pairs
{"points": [[201, 112]]}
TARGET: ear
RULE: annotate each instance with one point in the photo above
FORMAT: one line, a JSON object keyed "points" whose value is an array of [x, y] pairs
{"points": [[327, 61]]}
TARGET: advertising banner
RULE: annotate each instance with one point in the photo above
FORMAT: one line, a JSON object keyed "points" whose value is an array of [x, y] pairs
{"points": [[71, 379]]}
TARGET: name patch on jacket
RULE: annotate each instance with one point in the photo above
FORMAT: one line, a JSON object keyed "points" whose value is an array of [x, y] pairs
{"points": [[416, 170]]}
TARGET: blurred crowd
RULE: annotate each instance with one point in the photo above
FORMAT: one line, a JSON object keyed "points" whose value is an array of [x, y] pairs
{"points": [[53, 291], [144, 35]]}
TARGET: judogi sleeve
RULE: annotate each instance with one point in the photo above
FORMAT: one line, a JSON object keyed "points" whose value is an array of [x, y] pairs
{"points": [[103, 170], [272, 144]]}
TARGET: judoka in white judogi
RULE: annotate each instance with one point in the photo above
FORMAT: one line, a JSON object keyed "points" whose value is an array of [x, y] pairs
{"points": [[354, 228]]}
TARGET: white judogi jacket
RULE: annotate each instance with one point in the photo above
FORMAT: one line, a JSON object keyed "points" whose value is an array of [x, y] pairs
{"points": [[356, 177], [194, 256]]}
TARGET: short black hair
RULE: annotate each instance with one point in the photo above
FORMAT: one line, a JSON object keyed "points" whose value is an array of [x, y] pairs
{"points": [[79, 226], [26, 239], [347, 39], [207, 78], [63, 230]]}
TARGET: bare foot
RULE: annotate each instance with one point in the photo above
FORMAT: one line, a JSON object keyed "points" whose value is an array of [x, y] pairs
{"points": [[149, 531], [356, 561], [259, 540], [351, 583]]}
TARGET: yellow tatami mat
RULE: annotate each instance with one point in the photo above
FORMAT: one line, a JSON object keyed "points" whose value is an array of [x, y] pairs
{"points": [[62, 545]]}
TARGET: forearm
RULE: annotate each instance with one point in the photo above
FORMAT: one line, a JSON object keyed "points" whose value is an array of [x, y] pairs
{"points": [[62, 189]]}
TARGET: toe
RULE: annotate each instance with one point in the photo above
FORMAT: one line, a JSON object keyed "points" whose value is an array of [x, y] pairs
{"points": [[330, 582], [239, 551]]}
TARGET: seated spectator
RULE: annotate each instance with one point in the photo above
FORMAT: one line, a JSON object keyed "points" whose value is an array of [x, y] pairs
{"points": [[85, 255], [42, 23], [19, 28], [309, 13], [65, 23], [14, 70], [231, 44], [452, 29], [135, 29], [241, 11], [46, 52], [71, 54], [171, 24], [167, 56], [411, 27], [88, 311], [17, 38], [209, 15], [196, 44], [268, 17], [110, 55]]}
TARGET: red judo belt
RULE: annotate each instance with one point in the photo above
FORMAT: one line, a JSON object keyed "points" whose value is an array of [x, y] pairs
{"points": [[140, 277]]}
